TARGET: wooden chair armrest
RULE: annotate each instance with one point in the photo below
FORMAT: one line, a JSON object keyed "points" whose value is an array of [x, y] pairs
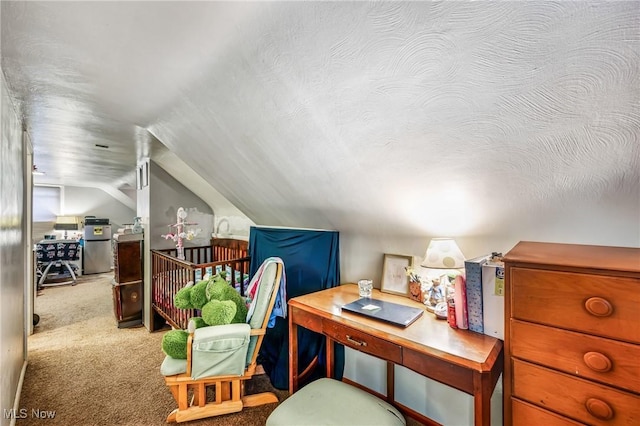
{"points": [[257, 332]]}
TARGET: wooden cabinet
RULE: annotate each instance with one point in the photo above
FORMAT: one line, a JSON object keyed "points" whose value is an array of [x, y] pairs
{"points": [[127, 261], [572, 334], [127, 303], [127, 287]]}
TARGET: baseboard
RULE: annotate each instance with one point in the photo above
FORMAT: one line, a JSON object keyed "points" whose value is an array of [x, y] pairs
{"points": [[16, 402]]}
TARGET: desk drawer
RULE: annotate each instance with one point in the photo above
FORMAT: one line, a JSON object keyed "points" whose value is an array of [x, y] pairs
{"points": [[363, 342], [608, 361], [305, 319], [585, 401], [595, 304], [438, 369]]}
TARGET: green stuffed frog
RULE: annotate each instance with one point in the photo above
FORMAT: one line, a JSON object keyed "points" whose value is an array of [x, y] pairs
{"points": [[219, 304]]}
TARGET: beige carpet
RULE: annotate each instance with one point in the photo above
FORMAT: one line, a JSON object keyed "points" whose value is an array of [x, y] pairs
{"points": [[89, 372]]}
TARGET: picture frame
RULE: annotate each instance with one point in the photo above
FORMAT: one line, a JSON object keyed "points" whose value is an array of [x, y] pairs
{"points": [[394, 275]]}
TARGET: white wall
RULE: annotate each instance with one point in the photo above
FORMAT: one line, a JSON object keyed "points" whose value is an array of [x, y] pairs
{"points": [[29, 289], [157, 205], [12, 254], [613, 220], [143, 211], [85, 201], [229, 222], [167, 195]]}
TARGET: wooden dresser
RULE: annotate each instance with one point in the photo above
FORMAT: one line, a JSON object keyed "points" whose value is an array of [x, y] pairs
{"points": [[572, 335]]}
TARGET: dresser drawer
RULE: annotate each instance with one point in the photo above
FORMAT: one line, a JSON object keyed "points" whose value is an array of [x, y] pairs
{"points": [[525, 414], [597, 304], [579, 399], [608, 361], [363, 342]]}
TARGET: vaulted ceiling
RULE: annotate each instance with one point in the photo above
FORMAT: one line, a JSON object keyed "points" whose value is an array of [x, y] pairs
{"points": [[442, 118]]}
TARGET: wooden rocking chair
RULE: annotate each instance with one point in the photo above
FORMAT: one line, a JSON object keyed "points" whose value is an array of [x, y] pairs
{"points": [[223, 357]]}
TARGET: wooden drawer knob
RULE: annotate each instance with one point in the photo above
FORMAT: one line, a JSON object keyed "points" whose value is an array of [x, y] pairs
{"points": [[599, 409], [598, 306], [597, 361]]}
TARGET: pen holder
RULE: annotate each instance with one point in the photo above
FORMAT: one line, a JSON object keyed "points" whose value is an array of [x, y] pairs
{"points": [[415, 291]]}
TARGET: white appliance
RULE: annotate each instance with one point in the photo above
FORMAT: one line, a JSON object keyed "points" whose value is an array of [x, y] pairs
{"points": [[97, 253]]}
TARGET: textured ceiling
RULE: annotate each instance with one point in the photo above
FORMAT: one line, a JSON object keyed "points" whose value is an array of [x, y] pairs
{"points": [[444, 118]]}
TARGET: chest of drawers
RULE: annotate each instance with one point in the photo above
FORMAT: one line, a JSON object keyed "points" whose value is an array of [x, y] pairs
{"points": [[572, 335]]}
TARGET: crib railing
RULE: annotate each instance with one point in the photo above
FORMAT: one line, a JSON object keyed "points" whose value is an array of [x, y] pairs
{"points": [[170, 274]]}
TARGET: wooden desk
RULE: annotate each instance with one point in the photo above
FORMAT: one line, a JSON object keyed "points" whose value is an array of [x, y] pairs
{"points": [[468, 361]]}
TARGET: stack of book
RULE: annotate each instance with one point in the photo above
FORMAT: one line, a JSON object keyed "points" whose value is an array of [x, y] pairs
{"points": [[484, 280]]}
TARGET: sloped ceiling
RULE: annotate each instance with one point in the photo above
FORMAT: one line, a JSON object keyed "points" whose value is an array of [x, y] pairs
{"points": [[433, 118]]}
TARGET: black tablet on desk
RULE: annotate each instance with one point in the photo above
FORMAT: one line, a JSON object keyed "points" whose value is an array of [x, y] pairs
{"points": [[393, 313]]}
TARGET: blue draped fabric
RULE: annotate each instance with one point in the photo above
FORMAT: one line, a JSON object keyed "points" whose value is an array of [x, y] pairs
{"points": [[312, 263]]}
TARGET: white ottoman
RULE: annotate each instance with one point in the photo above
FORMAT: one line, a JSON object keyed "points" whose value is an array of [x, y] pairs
{"points": [[331, 402]]}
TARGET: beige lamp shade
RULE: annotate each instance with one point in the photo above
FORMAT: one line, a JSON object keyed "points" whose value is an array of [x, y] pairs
{"points": [[443, 253], [67, 223]]}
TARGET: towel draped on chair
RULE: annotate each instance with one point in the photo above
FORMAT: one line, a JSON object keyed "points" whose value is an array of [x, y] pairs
{"points": [[280, 307]]}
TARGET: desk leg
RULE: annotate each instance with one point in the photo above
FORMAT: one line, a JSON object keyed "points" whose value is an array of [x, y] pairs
{"points": [[482, 391], [329, 351], [391, 382], [293, 354]]}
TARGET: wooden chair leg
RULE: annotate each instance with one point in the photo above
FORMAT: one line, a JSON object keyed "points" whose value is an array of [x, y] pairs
{"points": [[183, 402], [174, 392]]}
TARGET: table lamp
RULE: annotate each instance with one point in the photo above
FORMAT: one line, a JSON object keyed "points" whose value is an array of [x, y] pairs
{"points": [[444, 254], [66, 223]]}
